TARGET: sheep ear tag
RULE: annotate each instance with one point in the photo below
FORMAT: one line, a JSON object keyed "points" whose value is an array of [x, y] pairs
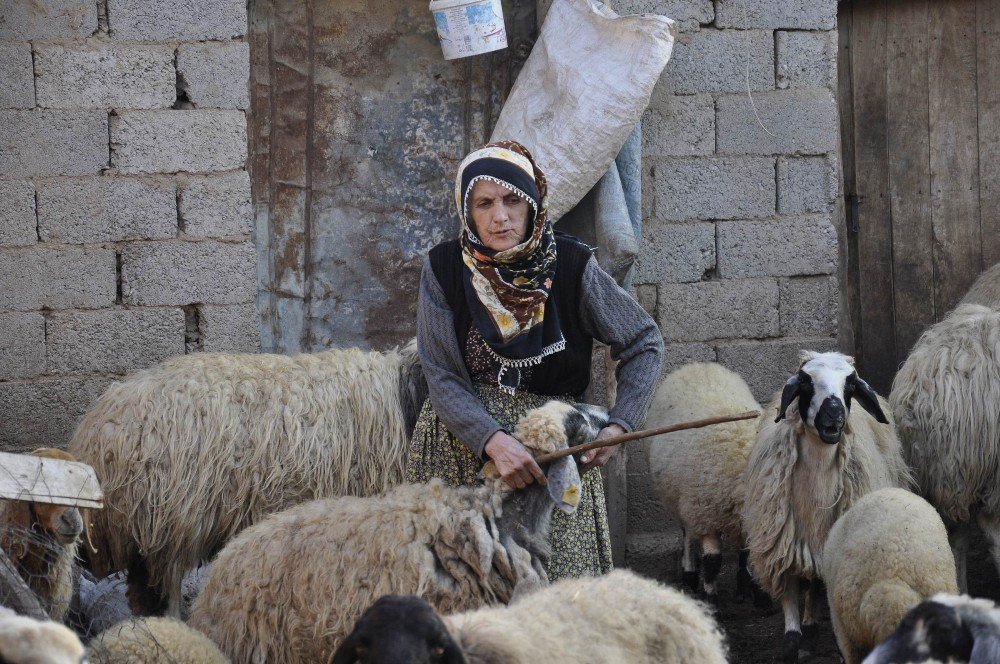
{"points": [[564, 484]]}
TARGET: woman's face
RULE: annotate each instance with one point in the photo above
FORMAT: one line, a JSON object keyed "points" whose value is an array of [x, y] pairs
{"points": [[499, 216]]}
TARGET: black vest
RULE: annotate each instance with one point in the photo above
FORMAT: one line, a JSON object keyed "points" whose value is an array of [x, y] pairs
{"points": [[564, 373]]}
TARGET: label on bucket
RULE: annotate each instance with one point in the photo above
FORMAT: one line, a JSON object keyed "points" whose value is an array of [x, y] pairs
{"points": [[469, 27]]}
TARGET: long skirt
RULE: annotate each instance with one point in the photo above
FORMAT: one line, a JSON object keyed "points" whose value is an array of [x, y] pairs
{"points": [[581, 542]]}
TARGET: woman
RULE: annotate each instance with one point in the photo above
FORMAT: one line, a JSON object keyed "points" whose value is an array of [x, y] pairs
{"points": [[506, 319]]}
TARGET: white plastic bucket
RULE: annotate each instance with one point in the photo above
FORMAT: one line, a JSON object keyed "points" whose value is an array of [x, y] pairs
{"points": [[469, 27]]}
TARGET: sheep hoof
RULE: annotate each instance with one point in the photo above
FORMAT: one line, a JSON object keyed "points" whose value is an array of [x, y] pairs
{"points": [[810, 634], [691, 580], [790, 647]]}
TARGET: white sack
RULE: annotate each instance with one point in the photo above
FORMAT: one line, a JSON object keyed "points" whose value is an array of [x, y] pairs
{"points": [[581, 92]]}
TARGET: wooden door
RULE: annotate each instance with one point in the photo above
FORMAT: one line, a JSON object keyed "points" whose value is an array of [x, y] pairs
{"points": [[920, 110]]}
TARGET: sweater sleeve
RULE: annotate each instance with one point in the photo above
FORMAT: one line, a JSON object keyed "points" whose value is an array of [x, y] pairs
{"points": [[448, 382], [612, 316]]}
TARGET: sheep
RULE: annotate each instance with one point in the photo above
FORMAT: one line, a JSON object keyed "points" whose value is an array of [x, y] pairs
{"points": [[25, 640], [986, 290], [42, 540], [807, 467], [698, 473], [619, 617], [945, 399], [944, 628], [151, 641], [888, 552], [193, 450], [317, 566]]}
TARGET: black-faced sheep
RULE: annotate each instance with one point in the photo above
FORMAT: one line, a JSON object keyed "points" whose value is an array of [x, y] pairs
{"points": [[613, 619], [946, 629], [883, 556], [25, 640], [42, 541], [946, 400], [193, 450], [316, 567], [808, 467], [698, 473], [986, 290], [152, 641]]}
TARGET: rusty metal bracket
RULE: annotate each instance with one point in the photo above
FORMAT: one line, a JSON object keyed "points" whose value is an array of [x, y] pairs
{"points": [[853, 202]]}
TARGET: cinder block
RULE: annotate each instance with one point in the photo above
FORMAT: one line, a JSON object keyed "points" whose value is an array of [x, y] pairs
{"points": [[797, 121], [807, 184], [31, 19], [806, 59], [809, 306], [655, 555], [689, 14], [216, 205], [180, 273], [22, 352], [801, 14], [215, 74], [716, 61], [230, 328], [719, 310], [766, 365], [17, 214], [42, 277], [679, 125], [43, 412], [713, 187], [105, 75], [781, 247], [18, 89], [676, 252], [677, 355], [39, 143], [115, 341], [106, 209], [646, 512], [193, 141], [155, 20]]}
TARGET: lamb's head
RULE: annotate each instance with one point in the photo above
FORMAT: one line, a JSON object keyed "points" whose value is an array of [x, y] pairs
{"points": [[399, 629], [64, 524], [945, 628], [825, 385]]}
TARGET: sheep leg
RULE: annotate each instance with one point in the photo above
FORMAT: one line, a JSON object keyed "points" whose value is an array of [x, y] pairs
{"points": [[747, 586], [793, 628], [958, 537], [689, 570], [810, 628], [711, 563], [143, 599], [990, 523]]}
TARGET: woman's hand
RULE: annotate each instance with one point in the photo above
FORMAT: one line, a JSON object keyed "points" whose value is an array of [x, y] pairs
{"points": [[600, 456], [513, 461]]}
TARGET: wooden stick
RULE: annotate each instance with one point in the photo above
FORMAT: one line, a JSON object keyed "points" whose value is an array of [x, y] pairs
{"points": [[15, 593], [645, 433]]}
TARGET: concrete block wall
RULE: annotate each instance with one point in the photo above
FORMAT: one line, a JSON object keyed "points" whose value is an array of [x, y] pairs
{"points": [[740, 256], [125, 229]]}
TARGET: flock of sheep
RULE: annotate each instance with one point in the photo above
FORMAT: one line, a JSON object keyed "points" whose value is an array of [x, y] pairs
{"points": [[286, 473]]}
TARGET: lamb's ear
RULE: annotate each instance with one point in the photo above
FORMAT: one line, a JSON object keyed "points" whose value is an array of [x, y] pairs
{"points": [[788, 394], [564, 483], [866, 396]]}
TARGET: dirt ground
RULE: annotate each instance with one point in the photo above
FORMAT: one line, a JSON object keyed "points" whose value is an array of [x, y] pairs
{"points": [[755, 637]]}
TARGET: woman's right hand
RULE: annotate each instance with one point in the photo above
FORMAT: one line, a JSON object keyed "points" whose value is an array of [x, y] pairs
{"points": [[513, 461]]}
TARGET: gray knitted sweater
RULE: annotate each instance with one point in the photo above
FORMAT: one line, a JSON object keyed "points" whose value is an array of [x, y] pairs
{"points": [[608, 314]]}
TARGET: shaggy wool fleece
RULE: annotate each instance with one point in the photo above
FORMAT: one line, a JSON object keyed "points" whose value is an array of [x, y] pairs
{"points": [[196, 449], [25, 640], [886, 554], [619, 617], [986, 290], [946, 398], [698, 473], [153, 641]]}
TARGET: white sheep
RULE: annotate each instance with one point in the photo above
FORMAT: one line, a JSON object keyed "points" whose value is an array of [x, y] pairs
{"points": [[986, 290], [42, 541], [152, 641], [193, 450], [949, 629], [808, 467], [946, 400], [25, 640], [698, 473], [883, 556], [316, 567], [617, 618]]}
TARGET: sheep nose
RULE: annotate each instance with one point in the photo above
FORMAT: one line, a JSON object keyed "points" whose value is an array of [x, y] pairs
{"points": [[830, 420]]}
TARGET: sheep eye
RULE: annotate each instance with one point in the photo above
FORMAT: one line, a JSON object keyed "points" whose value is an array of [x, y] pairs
{"points": [[437, 651]]}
